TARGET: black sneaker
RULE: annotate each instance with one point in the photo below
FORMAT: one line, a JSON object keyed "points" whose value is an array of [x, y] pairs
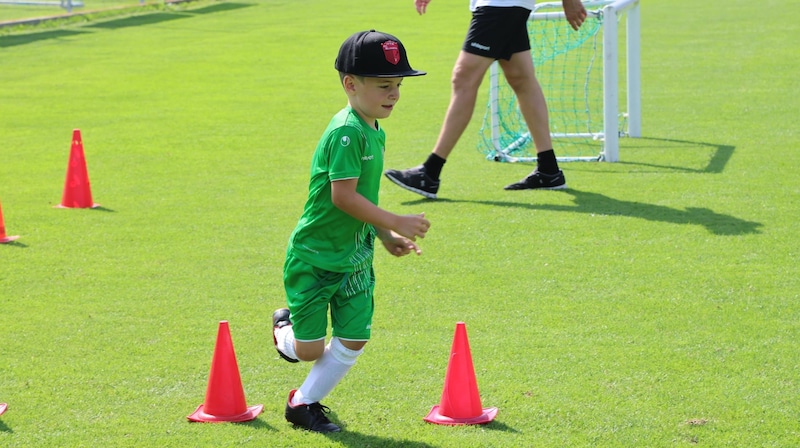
{"points": [[280, 319], [309, 416], [540, 181], [414, 179]]}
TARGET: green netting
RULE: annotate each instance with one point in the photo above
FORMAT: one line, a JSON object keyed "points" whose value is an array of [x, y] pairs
{"points": [[569, 67]]}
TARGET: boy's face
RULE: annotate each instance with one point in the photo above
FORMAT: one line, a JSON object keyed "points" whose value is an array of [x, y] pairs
{"points": [[372, 98]]}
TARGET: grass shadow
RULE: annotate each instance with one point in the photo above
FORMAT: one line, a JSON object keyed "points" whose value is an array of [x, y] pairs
{"points": [[684, 151], [22, 39], [257, 424], [494, 425], [140, 20], [358, 440], [598, 204], [100, 208], [720, 155], [4, 427], [220, 7]]}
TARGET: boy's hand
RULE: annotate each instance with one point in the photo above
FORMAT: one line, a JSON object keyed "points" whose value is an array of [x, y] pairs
{"points": [[398, 245], [412, 226]]}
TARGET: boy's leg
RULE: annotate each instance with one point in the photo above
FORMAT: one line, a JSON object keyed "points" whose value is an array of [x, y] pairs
{"points": [[303, 407], [300, 335], [352, 308], [327, 372], [334, 361]]}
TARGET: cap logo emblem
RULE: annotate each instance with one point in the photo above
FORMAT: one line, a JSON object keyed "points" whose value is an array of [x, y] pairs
{"points": [[391, 51]]}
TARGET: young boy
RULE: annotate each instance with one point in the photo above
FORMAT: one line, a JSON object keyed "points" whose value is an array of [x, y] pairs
{"points": [[329, 259]]}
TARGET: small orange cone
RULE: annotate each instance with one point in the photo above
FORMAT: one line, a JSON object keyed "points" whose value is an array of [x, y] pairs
{"points": [[77, 192], [3, 238], [3, 407], [461, 403], [225, 396]]}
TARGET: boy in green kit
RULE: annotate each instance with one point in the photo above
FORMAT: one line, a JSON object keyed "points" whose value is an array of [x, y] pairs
{"points": [[329, 259]]}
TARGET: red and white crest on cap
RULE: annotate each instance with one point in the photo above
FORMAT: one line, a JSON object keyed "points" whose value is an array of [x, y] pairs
{"points": [[391, 51]]}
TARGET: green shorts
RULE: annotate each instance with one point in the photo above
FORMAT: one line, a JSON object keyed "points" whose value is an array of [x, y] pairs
{"points": [[310, 291]]}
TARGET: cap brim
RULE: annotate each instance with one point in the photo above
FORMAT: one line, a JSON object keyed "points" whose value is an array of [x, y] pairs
{"points": [[393, 75]]}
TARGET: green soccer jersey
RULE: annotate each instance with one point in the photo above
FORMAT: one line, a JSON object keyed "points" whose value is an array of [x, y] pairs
{"points": [[325, 236]]}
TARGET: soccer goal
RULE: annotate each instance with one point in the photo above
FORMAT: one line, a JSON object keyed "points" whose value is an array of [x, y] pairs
{"points": [[579, 74]]}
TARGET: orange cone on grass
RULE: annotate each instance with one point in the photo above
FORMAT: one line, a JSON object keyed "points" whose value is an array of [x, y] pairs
{"points": [[77, 191], [461, 403], [224, 396], [3, 237]]}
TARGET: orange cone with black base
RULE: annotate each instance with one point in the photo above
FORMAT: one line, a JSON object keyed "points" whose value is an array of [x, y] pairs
{"points": [[461, 403], [3, 407], [3, 237], [77, 191], [225, 396]]}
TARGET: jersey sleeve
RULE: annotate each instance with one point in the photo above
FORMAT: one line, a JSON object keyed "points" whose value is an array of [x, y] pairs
{"points": [[347, 146]]}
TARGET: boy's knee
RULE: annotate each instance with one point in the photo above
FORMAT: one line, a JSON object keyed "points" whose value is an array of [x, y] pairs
{"points": [[309, 351], [346, 352]]}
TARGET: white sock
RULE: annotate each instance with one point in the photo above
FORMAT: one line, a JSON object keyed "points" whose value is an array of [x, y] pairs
{"points": [[326, 373], [285, 338]]}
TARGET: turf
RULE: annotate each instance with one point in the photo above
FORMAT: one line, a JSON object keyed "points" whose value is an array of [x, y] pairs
{"points": [[654, 303]]}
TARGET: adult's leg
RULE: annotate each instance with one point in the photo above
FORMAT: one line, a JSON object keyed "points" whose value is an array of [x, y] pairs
{"points": [[467, 76], [521, 76]]}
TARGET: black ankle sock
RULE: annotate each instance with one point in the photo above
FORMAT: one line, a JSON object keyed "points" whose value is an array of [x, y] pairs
{"points": [[546, 162], [433, 166]]}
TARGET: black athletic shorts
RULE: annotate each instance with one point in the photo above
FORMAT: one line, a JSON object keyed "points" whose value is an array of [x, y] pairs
{"points": [[498, 32]]}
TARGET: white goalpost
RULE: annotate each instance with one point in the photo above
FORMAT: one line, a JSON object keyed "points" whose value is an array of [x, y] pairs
{"points": [[579, 74]]}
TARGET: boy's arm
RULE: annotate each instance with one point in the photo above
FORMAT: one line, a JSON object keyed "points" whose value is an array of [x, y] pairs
{"points": [[348, 200]]}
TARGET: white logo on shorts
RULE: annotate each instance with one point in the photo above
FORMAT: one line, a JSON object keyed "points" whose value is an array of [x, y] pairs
{"points": [[479, 46]]}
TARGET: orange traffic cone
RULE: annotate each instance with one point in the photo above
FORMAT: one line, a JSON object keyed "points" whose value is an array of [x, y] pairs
{"points": [[3, 238], [3, 407], [77, 192], [461, 404], [224, 396]]}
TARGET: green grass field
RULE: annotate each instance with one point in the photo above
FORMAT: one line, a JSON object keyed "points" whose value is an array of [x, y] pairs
{"points": [[653, 304]]}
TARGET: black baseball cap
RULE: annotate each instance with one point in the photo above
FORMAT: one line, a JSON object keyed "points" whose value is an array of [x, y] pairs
{"points": [[375, 55]]}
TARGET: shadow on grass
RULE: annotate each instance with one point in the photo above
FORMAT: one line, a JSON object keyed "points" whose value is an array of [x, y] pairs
{"points": [[4, 427], [220, 7], [720, 155], [494, 425], [598, 204], [22, 39], [123, 22], [100, 208], [144, 19], [257, 424], [358, 440], [161, 17]]}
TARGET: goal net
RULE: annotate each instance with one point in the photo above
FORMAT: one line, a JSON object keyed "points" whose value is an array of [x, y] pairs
{"points": [[578, 72]]}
